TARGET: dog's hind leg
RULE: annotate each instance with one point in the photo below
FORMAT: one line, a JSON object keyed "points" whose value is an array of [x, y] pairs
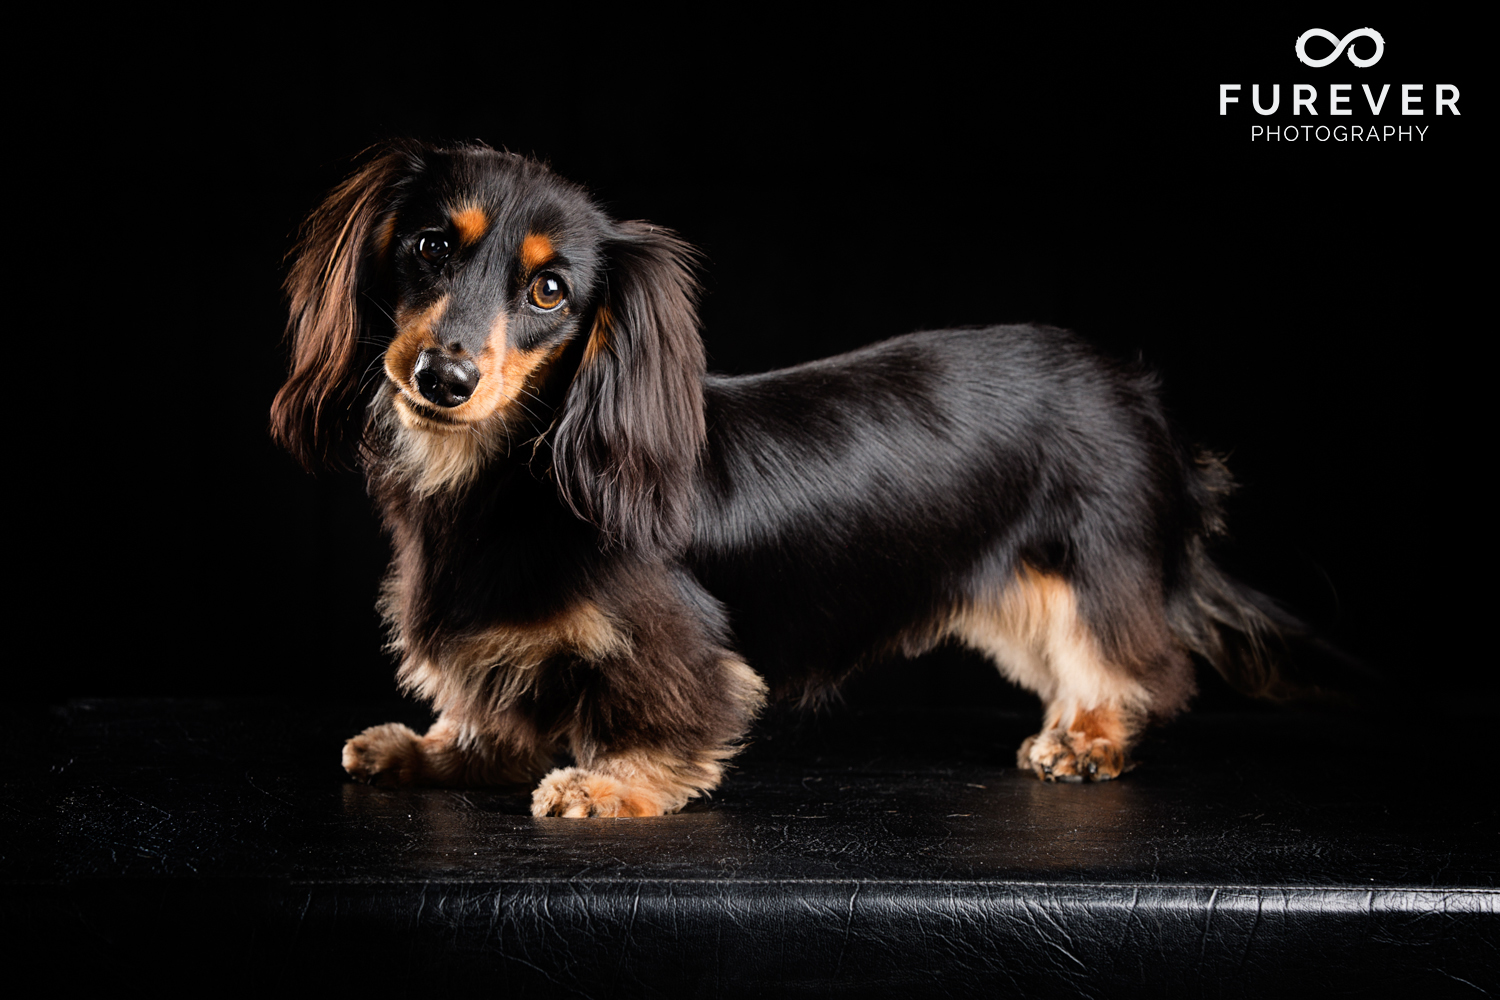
{"points": [[1094, 708]]}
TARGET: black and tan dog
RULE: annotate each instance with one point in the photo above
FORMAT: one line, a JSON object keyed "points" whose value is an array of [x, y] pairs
{"points": [[602, 550]]}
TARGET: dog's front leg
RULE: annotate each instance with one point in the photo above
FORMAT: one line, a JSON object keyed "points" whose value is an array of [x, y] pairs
{"points": [[449, 755], [636, 783], [664, 753]]}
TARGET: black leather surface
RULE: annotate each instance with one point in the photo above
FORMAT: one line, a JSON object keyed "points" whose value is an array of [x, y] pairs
{"points": [[891, 848]]}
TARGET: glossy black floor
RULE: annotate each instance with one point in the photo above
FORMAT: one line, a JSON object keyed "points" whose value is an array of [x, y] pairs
{"points": [[890, 847]]}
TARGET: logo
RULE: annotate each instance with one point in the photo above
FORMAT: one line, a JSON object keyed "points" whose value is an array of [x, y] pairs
{"points": [[1339, 100], [1339, 45]]}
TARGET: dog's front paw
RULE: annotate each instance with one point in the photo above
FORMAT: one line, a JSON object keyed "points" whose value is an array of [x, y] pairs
{"points": [[1059, 755], [384, 755], [575, 793]]}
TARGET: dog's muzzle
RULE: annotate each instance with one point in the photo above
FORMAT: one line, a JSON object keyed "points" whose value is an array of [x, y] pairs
{"points": [[444, 381]]}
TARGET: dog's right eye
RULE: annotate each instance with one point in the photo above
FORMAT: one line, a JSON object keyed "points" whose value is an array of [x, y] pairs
{"points": [[547, 292], [434, 248]]}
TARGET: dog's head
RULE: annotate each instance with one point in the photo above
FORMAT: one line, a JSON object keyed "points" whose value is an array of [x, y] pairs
{"points": [[502, 305]]}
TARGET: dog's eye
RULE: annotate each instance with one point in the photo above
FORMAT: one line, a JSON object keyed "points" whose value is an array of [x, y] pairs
{"points": [[434, 248], [548, 291]]}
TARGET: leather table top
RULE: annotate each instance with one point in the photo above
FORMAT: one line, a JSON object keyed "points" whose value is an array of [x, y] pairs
{"points": [[877, 846]]}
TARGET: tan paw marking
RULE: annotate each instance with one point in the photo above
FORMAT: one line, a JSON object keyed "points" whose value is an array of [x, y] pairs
{"points": [[1058, 755], [384, 755], [576, 793]]}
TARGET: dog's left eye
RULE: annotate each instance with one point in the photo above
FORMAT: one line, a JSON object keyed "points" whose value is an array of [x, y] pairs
{"points": [[434, 248], [548, 291]]}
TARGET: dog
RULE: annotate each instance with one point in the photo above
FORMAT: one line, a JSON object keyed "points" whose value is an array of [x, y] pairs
{"points": [[602, 550]]}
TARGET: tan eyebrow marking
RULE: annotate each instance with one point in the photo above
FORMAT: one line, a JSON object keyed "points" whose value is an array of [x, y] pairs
{"points": [[536, 250], [471, 223]]}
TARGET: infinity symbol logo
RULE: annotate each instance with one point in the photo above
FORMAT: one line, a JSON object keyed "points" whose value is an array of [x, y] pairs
{"points": [[1339, 45]]}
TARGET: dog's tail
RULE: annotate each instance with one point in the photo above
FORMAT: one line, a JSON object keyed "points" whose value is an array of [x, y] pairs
{"points": [[1245, 635], [1241, 632]]}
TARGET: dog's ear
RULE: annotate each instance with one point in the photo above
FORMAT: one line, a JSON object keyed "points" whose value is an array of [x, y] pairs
{"points": [[627, 443], [318, 415]]}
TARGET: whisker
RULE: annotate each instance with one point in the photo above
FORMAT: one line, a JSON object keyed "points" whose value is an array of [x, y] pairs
{"points": [[528, 410], [366, 376], [381, 306]]}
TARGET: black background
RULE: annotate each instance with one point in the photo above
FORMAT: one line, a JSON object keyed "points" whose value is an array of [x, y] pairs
{"points": [[1312, 307]]}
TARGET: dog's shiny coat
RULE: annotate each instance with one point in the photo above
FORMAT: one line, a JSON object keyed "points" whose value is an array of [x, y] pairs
{"points": [[601, 550]]}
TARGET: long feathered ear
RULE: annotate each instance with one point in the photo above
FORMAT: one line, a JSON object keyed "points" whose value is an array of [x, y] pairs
{"points": [[318, 415], [627, 443]]}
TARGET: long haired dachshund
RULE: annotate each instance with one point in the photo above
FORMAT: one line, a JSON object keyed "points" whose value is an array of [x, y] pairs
{"points": [[600, 549]]}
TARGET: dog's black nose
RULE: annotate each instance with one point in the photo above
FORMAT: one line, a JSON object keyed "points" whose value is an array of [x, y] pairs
{"points": [[443, 380]]}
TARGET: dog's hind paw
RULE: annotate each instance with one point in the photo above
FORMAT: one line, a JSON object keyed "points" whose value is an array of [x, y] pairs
{"points": [[384, 755], [1059, 755]]}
